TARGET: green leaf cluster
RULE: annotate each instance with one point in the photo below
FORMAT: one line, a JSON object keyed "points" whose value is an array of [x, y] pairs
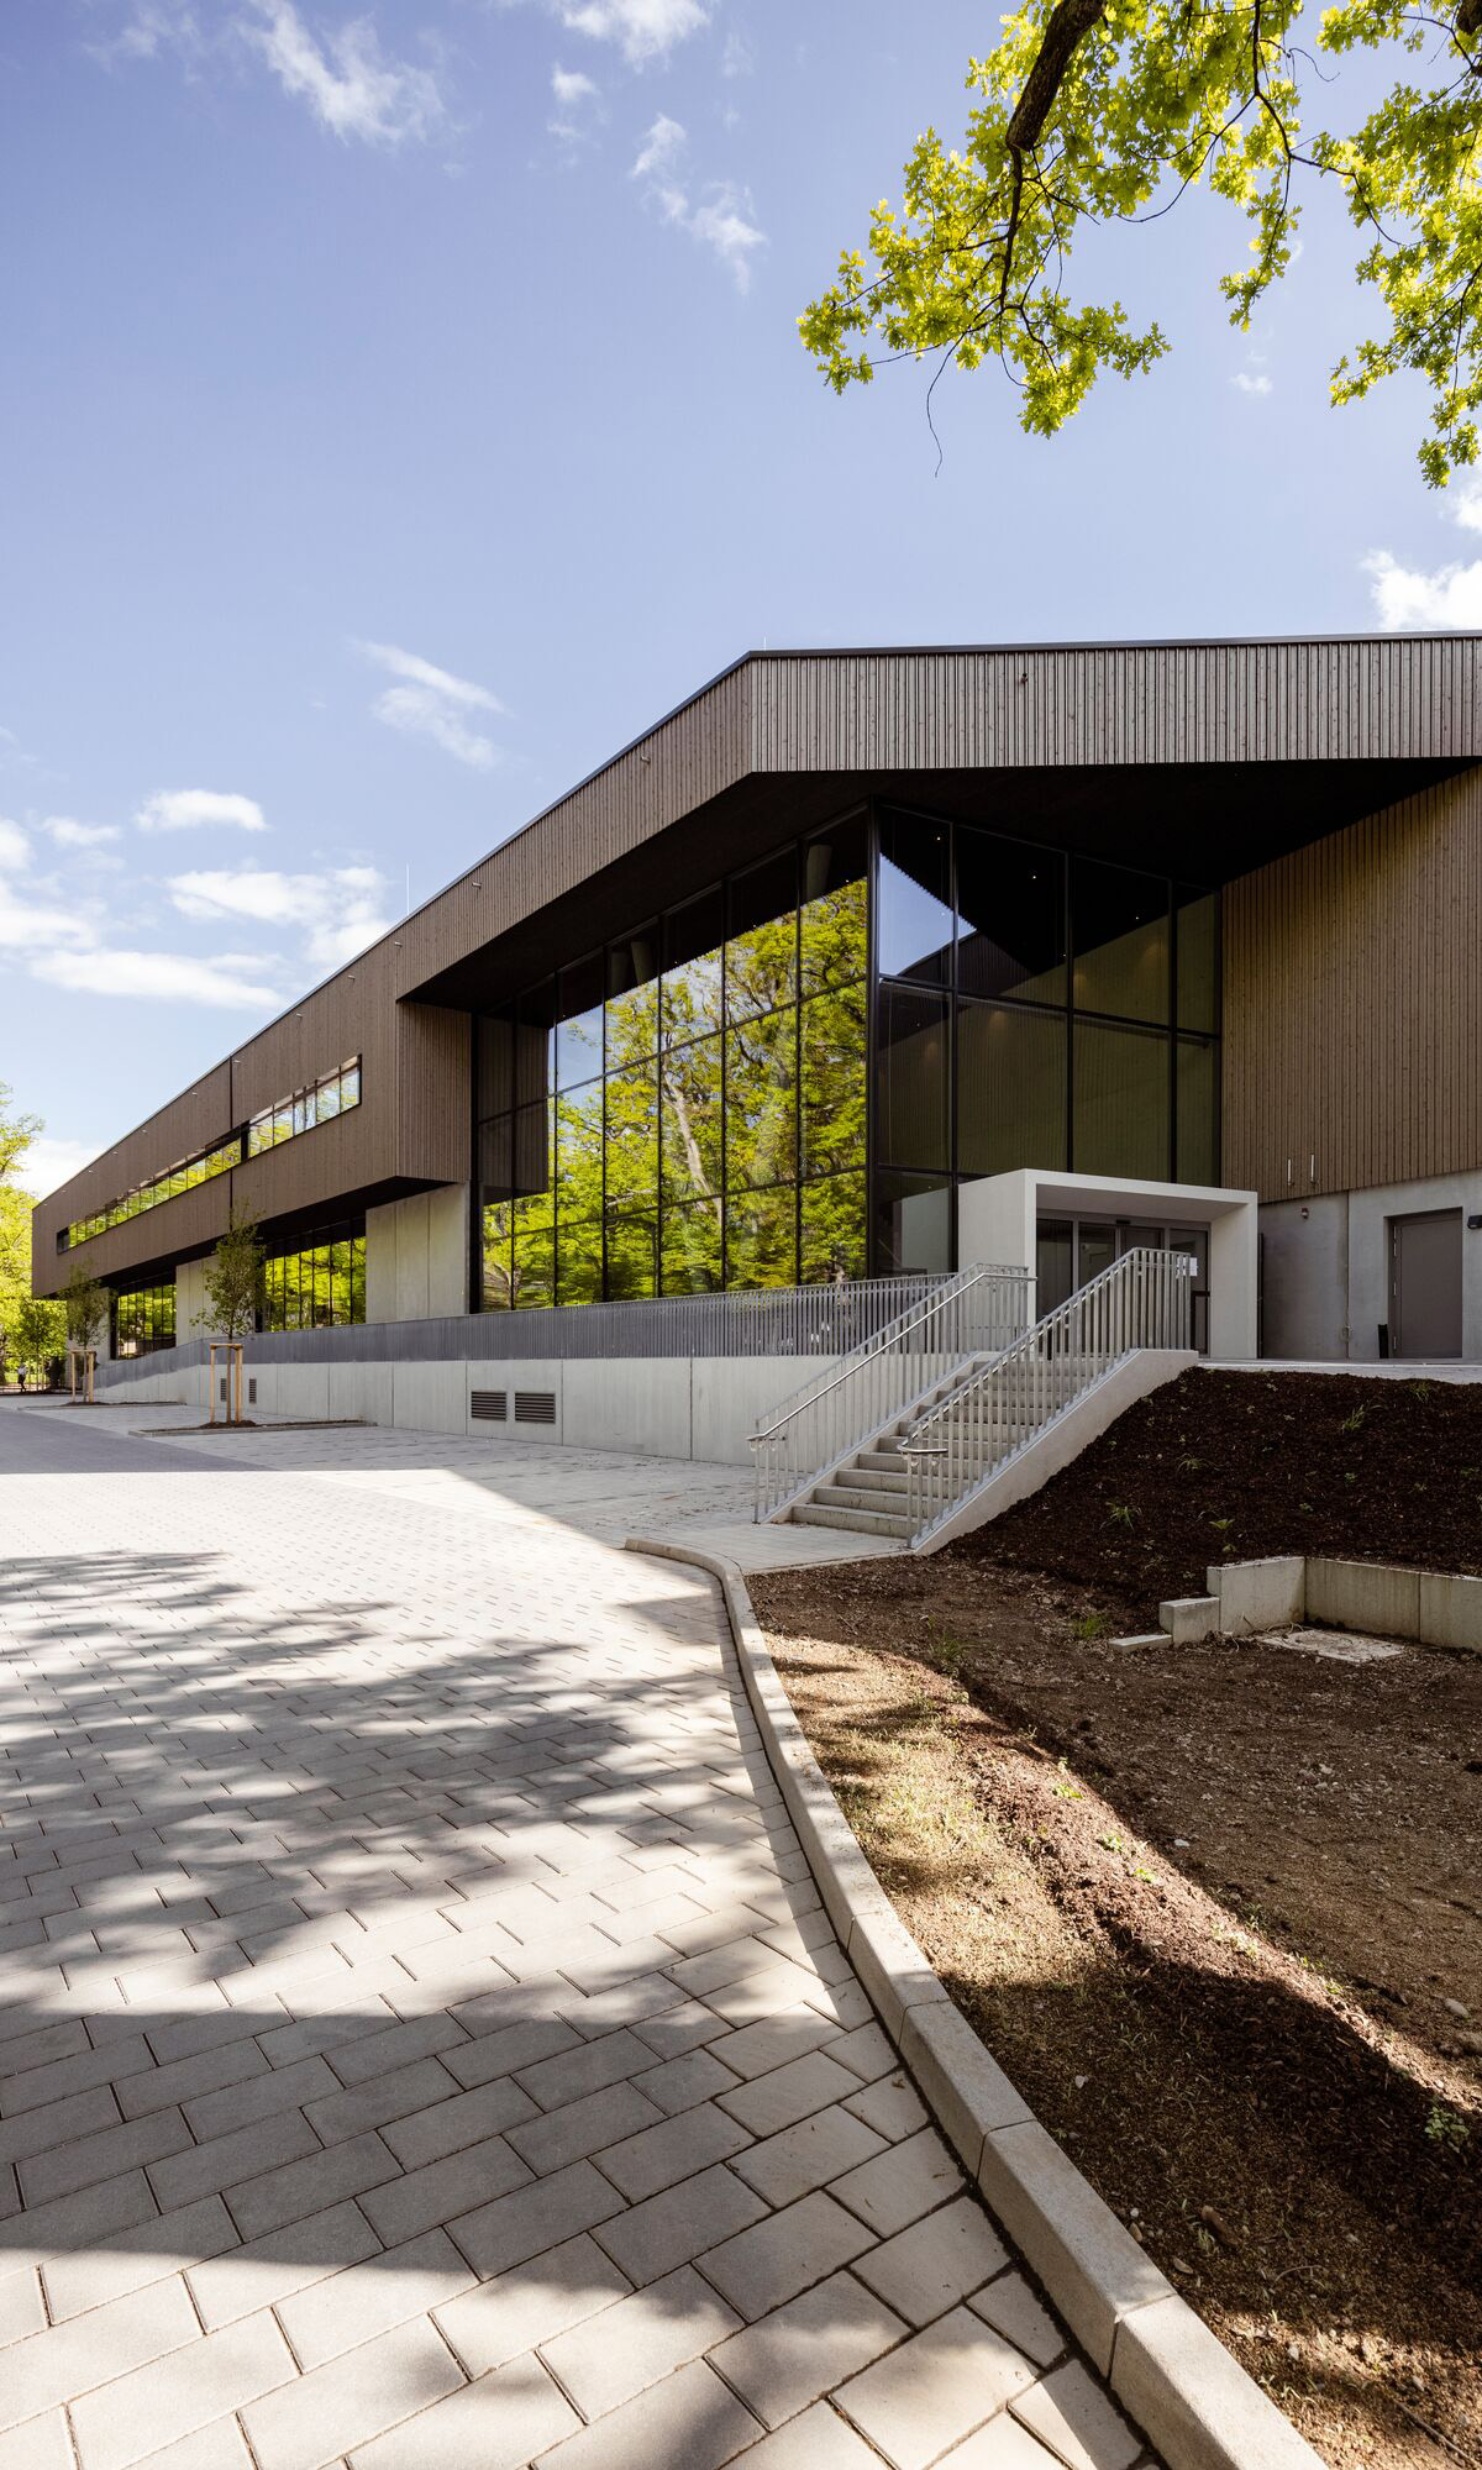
{"points": [[1148, 99]]}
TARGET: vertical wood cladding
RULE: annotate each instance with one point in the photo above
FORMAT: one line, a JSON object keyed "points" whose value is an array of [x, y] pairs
{"points": [[1353, 1004]]}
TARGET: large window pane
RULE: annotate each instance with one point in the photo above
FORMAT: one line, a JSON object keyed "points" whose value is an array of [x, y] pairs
{"points": [[534, 1177], [693, 940], [834, 924], [1119, 928], [1010, 1088], [1198, 1155], [913, 1223], [834, 1081], [762, 938], [633, 1139], [911, 1126], [761, 1102], [496, 1166], [534, 1276], [1010, 918], [579, 1153], [535, 1020], [579, 1263], [632, 997], [1121, 1102], [632, 1257], [498, 1277], [692, 1120], [834, 1231], [692, 1251], [762, 1238], [579, 1028], [1198, 959], [914, 912]]}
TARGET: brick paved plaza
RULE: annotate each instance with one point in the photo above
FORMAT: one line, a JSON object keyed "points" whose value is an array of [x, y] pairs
{"points": [[421, 2043]]}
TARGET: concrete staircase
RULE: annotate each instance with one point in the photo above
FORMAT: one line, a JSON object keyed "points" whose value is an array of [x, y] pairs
{"points": [[870, 1491]]}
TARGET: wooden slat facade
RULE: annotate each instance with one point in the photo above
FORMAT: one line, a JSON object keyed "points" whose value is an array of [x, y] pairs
{"points": [[1328, 703], [1353, 1004]]}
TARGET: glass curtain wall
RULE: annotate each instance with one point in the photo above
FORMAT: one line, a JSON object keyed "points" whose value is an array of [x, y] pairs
{"points": [[318, 1285], [1035, 1010], [144, 1319], [685, 1110]]}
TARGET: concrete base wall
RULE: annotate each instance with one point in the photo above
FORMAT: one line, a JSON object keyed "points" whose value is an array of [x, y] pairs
{"points": [[654, 1406], [190, 1300], [416, 1256], [1325, 1268]]}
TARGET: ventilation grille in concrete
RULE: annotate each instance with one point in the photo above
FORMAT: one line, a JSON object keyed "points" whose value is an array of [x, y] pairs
{"points": [[489, 1406], [535, 1406]]}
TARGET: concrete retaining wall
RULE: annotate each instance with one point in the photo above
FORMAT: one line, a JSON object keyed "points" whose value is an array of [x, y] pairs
{"points": [[1377, 1599], [680, 1406]]}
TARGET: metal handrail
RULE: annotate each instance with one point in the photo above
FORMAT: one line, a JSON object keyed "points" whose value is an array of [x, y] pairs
{"points": [[1142, 1300], [842, 1408]]}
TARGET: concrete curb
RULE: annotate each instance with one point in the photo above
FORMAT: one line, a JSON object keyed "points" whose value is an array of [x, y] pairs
{"points": [[1192, 2400]]}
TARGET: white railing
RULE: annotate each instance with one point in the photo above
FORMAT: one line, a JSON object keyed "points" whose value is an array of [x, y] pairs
{"points": [[978, 1312], [1143, 1300]]}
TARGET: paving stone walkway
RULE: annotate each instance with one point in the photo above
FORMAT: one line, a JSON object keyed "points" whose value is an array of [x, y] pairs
{"points": [[421, 2044]]}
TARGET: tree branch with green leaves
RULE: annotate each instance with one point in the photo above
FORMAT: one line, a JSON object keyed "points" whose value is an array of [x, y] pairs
{"points": [[1097, 113]]}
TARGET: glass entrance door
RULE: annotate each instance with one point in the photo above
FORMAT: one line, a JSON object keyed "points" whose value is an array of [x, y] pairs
{"points": [[1070, 1252]]}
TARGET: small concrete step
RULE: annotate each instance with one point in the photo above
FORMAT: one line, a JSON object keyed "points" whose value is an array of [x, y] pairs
{"points": [[844, 1495], [874, 1479], [887, 1460], [861, 1521]]}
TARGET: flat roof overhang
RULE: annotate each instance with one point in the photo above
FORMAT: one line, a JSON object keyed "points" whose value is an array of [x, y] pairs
{"points": [[1206, 823]]}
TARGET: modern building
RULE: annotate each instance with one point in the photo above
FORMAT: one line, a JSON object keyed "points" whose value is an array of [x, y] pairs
{"points": [[866, 963]]}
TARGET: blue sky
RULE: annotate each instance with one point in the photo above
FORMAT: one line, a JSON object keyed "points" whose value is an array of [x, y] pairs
{"points": [[404, 407]]}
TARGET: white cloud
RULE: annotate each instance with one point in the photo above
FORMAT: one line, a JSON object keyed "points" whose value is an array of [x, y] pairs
{"points": [[15, 849], [429, 702], [738, 59], [349, 86], [662, 148], [68, 833], [180, 810], [1447, 598], [29, 926], [339, 912], [163, 977], [1248, 385], [48, 1163], [570, 87], [723, 224], [153, 26], [642, 29]]}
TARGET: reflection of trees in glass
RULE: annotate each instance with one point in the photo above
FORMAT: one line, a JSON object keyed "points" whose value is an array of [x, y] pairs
{"points": [[692, 1121], [762, 968], [320, 1287], [533, 1270], [834, 1082], [761, 1238], [632, 1256], [633, 1138], [579, 1262], [834, 934], [690, 1002], [833, 1229], [761, 1102], [579, 1155], [692, 1255]]}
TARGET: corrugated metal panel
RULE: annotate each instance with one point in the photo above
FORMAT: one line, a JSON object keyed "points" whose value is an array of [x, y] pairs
{"points": [[1353, 1004]]}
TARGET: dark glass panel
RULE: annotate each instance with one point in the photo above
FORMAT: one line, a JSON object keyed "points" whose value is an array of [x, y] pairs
{"points": [[1010, 1088], [497, 1159], [1121, 1102], [761, 1111], [1010, 918], [834, 923], [498, 1284], [579, 1028], [534, 1177], [690, 999], [762, 938], [692, 1249], [914, 903], [911, 1085], [1054, 1264], [762, 1238], [834, 1231], [834, 1081], [579, 1154], [1095, 1248], [1198, 958], [1119, 931], [1198, 1118], [534, 1034], [633, 1138], [579, 1263], [913, 1223], [692, 1120], [632, 997], [534, 1277], [632, 1257]]}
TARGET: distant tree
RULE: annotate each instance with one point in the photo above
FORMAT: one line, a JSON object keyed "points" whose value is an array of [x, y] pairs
{"points": [[17, 1132], [1089, 116], [39, 1335], [235, 1278], [85, 1308]]}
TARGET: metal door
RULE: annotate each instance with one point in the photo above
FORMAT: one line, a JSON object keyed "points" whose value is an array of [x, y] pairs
{"points": [[1425, 1285]]}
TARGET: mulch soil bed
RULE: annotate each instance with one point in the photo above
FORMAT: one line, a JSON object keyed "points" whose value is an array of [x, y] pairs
{"points": [[1215, 1908], [1225, 1466]]}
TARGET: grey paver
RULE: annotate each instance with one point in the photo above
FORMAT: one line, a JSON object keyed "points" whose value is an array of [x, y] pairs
{"points": [[424, 2198], [585, 2126], [776, 2100], [496, 2424], [769, 2264], [175, 2396], [1071, 2414], [638, 2342], [271, 2268], [334, 2409], [808, 2155], [933, 2391], [660, 2156], [501, 2319], [925, 2270], [691, 2418], [1010, 2306], [819, 2440], [801, 2351], [901, 2184], [341, 2312], [453, 2125], [500, 2235], [679, 2224]]}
